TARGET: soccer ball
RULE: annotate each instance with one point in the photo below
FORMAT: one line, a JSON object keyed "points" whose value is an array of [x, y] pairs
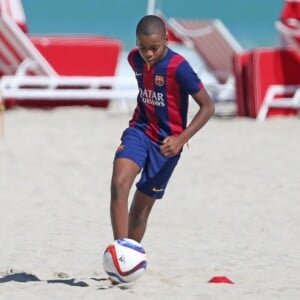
{"points": [[124, 260]]}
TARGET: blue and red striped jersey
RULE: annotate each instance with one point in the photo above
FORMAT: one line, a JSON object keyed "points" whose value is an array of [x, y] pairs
{"points": [[164, 89]]}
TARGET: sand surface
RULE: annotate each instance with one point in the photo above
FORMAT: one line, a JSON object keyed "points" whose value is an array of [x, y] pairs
{"points": [[231, 209]]}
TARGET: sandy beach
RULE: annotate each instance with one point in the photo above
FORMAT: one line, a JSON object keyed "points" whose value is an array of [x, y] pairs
{"points": [[231, 209]]}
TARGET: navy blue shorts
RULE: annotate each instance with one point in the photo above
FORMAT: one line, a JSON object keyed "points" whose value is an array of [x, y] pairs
{"points": [[156, 168]]}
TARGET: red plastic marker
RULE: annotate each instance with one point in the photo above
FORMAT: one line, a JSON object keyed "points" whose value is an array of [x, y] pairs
{"points": [[220, 279]]}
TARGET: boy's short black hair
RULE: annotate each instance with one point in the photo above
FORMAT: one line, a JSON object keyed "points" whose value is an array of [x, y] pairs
{"points": [[151, 24]]}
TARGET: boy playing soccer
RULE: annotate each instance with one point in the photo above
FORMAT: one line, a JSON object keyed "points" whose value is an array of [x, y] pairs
{"points": [[158, 129]]}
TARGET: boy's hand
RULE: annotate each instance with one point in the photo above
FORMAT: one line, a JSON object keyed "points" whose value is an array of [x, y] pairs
{"points": [[172, 145]]}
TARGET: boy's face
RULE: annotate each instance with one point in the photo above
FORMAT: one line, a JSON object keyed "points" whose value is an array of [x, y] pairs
{"points": [[152, 47]]}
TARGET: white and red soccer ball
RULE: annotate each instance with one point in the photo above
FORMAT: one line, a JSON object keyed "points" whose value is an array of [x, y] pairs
{"points": [[124, 260]]}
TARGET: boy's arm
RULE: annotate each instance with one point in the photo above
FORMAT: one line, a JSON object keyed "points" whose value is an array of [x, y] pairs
{"points": [[205, 112], [173, 144]]}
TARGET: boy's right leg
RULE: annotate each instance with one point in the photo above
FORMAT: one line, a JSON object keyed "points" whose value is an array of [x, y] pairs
{"points": [[124, 173], [140, 209]]}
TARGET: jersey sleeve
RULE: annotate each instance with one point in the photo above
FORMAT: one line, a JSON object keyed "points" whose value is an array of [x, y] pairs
{"points": [[131, 57], [188, 79]]}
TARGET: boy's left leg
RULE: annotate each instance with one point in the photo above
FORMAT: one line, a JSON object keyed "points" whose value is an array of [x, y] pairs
{"points": [[151, 186], [138, 215]]}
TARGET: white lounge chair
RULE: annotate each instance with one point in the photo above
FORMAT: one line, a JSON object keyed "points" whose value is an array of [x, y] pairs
{"points": [[213, 42], [288, 27], [216, 46], [27, 75], [279, 96]]}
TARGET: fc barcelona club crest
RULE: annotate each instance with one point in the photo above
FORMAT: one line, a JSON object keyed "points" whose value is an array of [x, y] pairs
{"points": [[159, 80]]}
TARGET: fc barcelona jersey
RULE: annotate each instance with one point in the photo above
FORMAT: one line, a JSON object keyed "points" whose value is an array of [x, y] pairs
{"points": [[164, 89]]}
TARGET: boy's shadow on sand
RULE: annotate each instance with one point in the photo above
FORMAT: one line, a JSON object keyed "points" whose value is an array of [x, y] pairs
{"points": [[25, 277]]}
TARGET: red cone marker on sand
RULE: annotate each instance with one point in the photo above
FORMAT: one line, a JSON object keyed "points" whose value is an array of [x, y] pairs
{"points": [[220, 279]]}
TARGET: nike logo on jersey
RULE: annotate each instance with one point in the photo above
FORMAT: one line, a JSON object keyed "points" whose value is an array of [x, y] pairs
{"points": [[138, 74], [156, 190]]}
